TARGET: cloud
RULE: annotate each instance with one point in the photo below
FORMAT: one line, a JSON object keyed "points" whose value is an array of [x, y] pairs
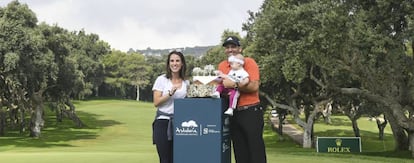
{"points": [[139, 24], [190, 123]]}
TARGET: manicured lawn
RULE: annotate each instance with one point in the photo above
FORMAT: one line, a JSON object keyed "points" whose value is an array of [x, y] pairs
{"points": [[120, 131], [116, 131]]}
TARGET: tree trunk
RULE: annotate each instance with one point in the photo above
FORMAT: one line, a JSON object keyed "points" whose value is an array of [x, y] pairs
{"points": [[308, 129], [381, 127], [307, 134], [13, 116], [327, 112], [58, 111], [72, 114], [278, 130], [411, 138], [355, 127], [281, 119], [36, 121], [2, 121], [22, 106], [137, 92], [96, 91], [307, 113], [22, 120], [400, 136], [394, 113]]}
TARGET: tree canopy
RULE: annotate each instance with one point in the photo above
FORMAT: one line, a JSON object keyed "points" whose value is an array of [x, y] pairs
{"points": [[312, 51]]}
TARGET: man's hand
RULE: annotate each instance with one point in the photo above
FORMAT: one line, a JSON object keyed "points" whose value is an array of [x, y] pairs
{"points": [[221, 74], [228, 83], [251, 86]]}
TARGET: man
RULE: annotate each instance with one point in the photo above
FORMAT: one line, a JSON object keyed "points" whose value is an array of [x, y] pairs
{"points": [[246, 124]]}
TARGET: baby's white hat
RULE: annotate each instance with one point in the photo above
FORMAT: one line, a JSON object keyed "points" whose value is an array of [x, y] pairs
{"points": [[235, 59]]}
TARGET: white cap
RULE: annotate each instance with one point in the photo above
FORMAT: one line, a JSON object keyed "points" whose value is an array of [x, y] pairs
{"points": [[235, 59]]}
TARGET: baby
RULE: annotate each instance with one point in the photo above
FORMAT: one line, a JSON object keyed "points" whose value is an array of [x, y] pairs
{"points": [[238, 75]]}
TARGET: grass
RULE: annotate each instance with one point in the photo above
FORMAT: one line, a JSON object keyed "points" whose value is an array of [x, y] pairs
{"points": [[120, 131], [341, 126], [116, 130]]}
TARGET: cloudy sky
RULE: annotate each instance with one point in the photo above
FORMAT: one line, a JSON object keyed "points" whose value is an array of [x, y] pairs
{"points": [[140, 24]]}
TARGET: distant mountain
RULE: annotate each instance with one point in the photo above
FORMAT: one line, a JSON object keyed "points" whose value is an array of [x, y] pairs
{"points": [[197, 51]]}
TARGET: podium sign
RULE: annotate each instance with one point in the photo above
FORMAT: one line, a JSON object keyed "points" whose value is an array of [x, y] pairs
{"points": [[201, 131], [338, 144]]}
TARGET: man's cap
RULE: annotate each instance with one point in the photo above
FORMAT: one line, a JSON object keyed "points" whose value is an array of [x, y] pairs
{"points": [[231, 40]]}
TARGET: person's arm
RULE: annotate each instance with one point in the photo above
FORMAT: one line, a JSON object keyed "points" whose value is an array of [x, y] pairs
{"points": [[251, 86], [228, 83], [159, 99], [244, 82]]}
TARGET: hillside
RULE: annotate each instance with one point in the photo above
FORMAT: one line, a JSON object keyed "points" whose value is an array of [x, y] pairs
{"points": [[196, 51]]}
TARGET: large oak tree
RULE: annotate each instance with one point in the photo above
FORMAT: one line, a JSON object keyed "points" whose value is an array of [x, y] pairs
{"points": [[313, 50]]}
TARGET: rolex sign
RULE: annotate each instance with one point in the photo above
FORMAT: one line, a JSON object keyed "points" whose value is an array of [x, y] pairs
{"points": [[338, 144]]}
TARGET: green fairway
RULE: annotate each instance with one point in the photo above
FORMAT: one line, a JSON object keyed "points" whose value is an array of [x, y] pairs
{"points": [[120, 131]]}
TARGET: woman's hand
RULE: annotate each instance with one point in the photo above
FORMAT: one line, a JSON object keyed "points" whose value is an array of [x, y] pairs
{"points": [[172, 91]]}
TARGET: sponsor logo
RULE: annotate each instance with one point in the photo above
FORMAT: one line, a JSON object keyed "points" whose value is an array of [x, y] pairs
{"points": [[338, 147], [187, 128], [191, 128]]}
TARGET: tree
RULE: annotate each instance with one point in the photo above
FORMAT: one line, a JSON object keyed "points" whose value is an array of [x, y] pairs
{"points": [[125, 70], [67, 78], [286, 68], [44, 63], [330, 47], [137, 71], [88, 50], [158, 67], [27, 63]]}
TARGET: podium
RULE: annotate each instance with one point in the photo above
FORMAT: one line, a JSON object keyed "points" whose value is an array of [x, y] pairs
{"points": [[201, 131]]}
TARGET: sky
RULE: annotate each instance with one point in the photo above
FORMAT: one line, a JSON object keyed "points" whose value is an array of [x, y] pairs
{"points": [[139, 24]]}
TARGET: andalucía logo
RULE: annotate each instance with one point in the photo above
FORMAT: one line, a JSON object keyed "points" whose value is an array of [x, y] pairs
{"points": [[187, 128]]}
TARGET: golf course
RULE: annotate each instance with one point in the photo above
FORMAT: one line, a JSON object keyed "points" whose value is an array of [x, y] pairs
{"points": [[119, 131]]}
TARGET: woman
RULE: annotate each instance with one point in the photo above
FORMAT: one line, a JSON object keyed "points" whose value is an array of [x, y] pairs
{"points": [[166, 88]]}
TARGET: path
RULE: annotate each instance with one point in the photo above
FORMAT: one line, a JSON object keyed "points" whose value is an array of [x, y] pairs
{"points": [[288, 129]]}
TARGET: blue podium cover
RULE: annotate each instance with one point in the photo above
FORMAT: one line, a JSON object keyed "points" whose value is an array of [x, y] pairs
{"points": [[201, 131]]}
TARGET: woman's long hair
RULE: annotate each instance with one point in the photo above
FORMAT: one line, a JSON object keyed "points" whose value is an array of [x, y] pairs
{"points": [[183, 69]]}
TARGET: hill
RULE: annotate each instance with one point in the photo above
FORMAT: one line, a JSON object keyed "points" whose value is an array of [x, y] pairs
{"points": [[196, 51]]}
